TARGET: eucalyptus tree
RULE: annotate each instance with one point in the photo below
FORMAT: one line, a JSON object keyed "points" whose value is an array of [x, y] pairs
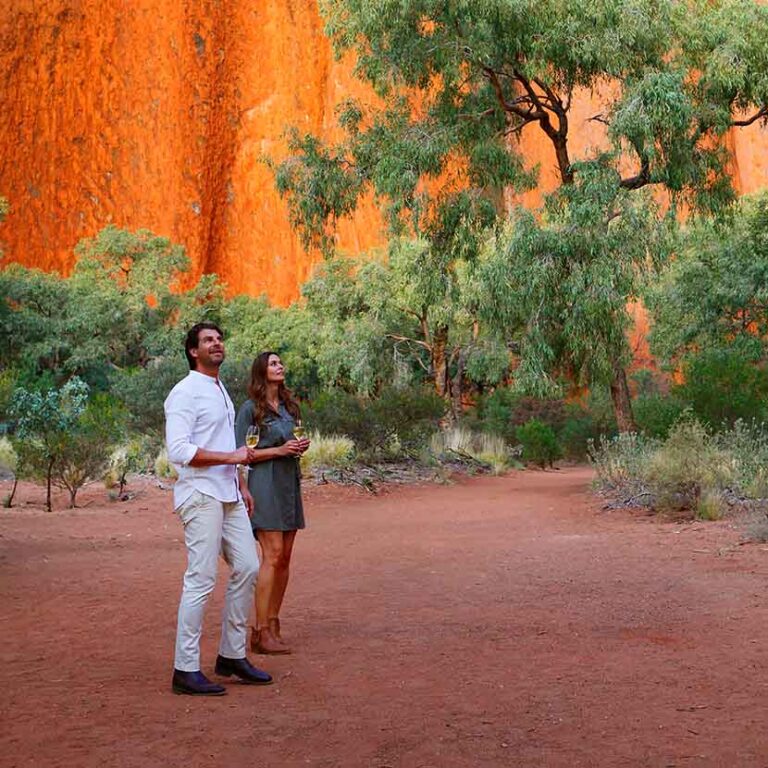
{"points": [[715, 292], [119, 309], [456, 82]]}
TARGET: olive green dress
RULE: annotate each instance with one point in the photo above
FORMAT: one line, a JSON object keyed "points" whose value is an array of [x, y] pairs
{"points": [[274, 484]]}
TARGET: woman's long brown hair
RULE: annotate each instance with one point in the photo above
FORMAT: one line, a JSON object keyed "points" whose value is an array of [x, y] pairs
{"points": [[257, 390]]}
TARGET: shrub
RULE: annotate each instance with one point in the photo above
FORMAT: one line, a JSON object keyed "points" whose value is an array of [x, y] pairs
{"points": [[621, 463], [9, 461], [84, 451], [125, 459], [687, 466], [493, 413], [723, 385], [539, 443], [404, 419], [8, 457], [45, 423], [747, 444], [656, 413], [587, 423], [143, 391], [487, 449], [334, 451], [164, 470]]}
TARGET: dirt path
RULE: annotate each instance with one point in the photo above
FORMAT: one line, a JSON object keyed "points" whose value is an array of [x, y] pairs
{"points": [[494, 622]]}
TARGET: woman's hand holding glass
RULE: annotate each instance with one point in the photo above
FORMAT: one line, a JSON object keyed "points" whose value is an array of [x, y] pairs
{"points": [[299, 432]]}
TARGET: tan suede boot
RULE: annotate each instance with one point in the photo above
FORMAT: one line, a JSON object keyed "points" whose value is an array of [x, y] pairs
{"points": [[263, 641], [274, 628]]}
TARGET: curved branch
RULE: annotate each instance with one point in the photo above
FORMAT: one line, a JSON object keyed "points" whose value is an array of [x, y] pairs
{"points": [[761, 113]]}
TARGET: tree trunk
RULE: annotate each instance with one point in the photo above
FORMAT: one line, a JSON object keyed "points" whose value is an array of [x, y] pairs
{"points": [[440, 361], [48, 484], [457, 385], [9, 501], [622, 405]]}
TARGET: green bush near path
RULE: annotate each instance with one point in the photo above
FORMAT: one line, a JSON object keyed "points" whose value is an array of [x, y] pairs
{"points": [[692, 470]]}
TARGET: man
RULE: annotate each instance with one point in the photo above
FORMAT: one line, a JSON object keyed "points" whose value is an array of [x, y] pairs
{"points": [[211, 503]]}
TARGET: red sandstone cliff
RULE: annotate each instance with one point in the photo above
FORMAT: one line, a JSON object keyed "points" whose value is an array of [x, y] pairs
{"points": [[155, 114]]}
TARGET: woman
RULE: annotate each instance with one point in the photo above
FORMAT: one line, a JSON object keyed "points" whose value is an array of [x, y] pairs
{"points": [[274, 483]]}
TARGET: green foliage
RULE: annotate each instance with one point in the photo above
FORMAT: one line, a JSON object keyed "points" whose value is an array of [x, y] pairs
{"points": [[656, 413], [539, 443], [9, 460], [120, 308], [620, 462], [7, 387], [127, 458], [687, 466], [715, 292], [692, 469], [586, 423], [328, 451], [252, 326], [44, 422], [723, 385], [399, 421], [84, 451], [564, 282], [143, 391], [487, 449], [455, 81]]}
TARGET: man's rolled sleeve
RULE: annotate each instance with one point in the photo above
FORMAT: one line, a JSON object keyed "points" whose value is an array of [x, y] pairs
{"points": [[179, 424]]}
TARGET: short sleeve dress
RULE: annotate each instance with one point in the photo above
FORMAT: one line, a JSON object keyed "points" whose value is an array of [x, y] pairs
{"points": [[275, 484]]}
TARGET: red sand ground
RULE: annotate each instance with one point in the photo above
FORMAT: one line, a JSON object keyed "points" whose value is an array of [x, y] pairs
{"points": [[493, 622]]}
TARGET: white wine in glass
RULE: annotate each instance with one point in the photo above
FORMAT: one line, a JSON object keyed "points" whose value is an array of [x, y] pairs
{"points": [[252, 436], [299, 430]]}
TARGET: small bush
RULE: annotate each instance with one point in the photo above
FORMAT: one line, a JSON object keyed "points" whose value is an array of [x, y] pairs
{"points": [[333, 451], [396, 421], [84, 451], [757, 527], [747, 444], [8, 458], [164, 470], [487, 449], [129, 457], [143, 391], [656, 413], [493, 413], [539, 443], [723, 386], [710, 505], [621, 463], [688, 465], [587, 423]]}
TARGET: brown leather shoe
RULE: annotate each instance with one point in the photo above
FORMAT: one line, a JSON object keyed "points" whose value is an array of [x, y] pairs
{"points": [[263, 641]]}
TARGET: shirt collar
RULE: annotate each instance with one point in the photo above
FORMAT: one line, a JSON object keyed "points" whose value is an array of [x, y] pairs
{"points": [[198, 375]]}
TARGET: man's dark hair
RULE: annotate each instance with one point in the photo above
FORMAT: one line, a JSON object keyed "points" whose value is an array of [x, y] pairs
{"points": [[193, 339]]}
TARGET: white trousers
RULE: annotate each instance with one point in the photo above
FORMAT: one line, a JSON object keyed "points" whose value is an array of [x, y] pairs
{"points": [[212, 527]]}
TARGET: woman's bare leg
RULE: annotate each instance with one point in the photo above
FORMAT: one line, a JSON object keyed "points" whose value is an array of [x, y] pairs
{"points": [[272, 548], [281, 575]]}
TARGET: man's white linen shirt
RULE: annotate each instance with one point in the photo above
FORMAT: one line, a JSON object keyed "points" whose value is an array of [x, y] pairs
{"points": [[199, 414]]}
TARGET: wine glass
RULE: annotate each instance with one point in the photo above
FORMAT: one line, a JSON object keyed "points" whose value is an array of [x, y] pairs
{"points": [[252, 439], [252, 436], [299, 430]]}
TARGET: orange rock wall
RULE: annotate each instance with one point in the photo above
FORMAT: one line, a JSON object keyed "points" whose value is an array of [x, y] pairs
{"points": [[156, 114]]}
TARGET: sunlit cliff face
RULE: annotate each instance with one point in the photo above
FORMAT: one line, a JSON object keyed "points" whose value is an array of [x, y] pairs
{"points": [[156, 114]]}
